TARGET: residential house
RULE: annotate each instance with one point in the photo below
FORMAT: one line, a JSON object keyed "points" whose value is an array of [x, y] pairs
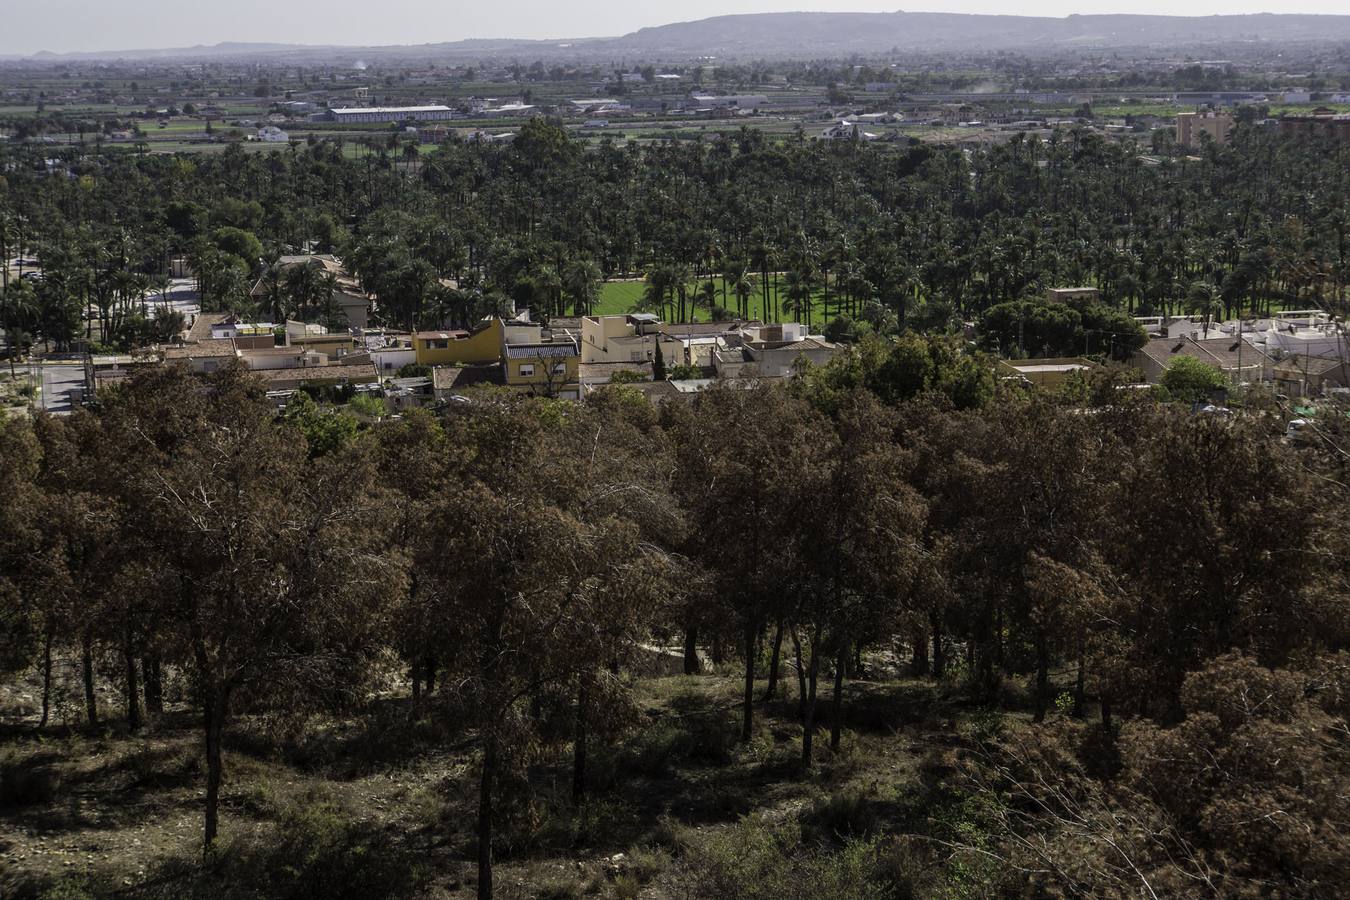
{"points": [[630, 338], [1048, 373], [446, 348], [847, 131], [595, 375], [1239, 361], [773, 351], [551, 369], [1069, 294], [1302, 376], [205, 356], [283, 358], [452, 381], [335, 346], [246, 335], [292, 379]]}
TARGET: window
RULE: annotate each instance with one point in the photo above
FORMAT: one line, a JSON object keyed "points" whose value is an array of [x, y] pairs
{"points": [[526, 370], [560, 368]]}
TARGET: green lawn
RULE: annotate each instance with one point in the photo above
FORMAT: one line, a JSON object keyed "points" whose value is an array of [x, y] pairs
{"points": [[619, 297]]}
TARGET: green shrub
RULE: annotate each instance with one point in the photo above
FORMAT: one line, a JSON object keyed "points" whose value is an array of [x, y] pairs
{"points": [[702, 736], [754, 860], [560, 887], [314, 852], [415, 370], [839, 817]]}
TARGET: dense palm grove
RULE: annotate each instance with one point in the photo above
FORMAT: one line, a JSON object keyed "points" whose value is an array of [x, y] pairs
{"points": [[1140, 614], [910, 235], [1157, 601]]}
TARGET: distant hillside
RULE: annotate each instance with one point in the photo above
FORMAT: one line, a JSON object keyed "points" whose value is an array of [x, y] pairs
{"points": [[876, 32], [828, 34]]}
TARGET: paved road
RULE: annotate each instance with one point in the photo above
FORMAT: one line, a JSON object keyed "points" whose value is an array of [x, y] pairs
{"points": [[62, 385]]}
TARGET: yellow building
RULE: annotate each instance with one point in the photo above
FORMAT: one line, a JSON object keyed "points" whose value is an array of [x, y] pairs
{"points": [[631, 338], [335, 346], [1191, 125], [445, 348], [549, 369]]}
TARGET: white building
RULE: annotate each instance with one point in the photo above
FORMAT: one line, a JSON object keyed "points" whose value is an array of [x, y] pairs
{"points": [[847, 131], [741, 101], [271, 134], [365, 115]]}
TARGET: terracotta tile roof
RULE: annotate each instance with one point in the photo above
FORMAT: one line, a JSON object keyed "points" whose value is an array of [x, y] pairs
{"points": [[318, 373], [603, 371], [450, 378], [201, 325], [1314, 365], [210, 347]]}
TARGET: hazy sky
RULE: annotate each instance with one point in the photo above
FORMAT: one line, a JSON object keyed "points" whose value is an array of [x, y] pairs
{"points": [[27, 26]]}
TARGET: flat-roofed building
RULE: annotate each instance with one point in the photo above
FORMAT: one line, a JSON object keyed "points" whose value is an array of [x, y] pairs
{"points": [[366, 115], [1046, 372], [1190, 127]]}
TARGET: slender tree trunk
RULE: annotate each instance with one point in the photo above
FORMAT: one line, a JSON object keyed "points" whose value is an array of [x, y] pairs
{"points": [[1106, 716], [809, 715], [87, 670], [919, 663], [837, 701], [133, 690], [214, 711], [717, 655], [748, 700], [46, 680], [1080, 685], [801, 676], [485, 786], [579, 740], [416, 672], [774, 657], [691, 664], [1042, 676], [153, 679], [939, 656], [857, 670], [430, 671]]}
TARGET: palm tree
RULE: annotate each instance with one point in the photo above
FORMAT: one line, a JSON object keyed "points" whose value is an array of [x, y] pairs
{"points": [[706, 296], [19, 307], [658, 286], [798, 295], [743, 287], [1203, 299], [581, 285]]}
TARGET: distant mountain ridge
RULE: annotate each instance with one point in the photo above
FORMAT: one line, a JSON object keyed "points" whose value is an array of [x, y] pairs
{"points": [[878, 32], [808, 33]]}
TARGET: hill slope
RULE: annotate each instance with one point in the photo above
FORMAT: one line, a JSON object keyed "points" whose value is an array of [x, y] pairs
{"points": [[827, 34], [875, 32]]}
